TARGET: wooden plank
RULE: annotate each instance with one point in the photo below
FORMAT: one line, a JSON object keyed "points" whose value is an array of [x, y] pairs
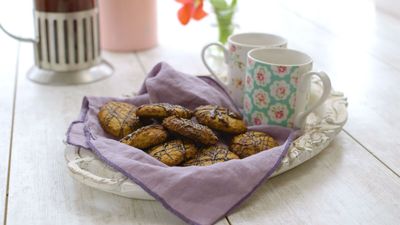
{"points": [[41, 190], [374, 30], [390, 7], [353, 187], [366, 75], [342, 185], [8, 65]]}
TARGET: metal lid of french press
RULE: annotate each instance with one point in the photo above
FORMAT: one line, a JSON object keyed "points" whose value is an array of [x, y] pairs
{"points": [[63, 6]]}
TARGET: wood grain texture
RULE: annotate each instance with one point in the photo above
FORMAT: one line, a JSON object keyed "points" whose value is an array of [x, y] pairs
{"points": [[363, 62], [390, 7], [41, 190], [342, 185], [8, 65], [372, 31]]}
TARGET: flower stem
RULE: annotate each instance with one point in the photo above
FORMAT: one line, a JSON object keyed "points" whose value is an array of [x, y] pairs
{"points": [[224, 13], [225, 25]]}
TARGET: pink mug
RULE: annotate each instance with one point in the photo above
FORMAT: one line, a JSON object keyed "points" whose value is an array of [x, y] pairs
{"points": [[128, 25]]}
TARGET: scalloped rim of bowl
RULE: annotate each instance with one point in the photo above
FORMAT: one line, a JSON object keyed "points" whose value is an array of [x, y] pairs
{"points": [[321, 128]]}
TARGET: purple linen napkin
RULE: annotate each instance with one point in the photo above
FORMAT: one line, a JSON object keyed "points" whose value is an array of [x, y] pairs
{"points": [[198, 195]]}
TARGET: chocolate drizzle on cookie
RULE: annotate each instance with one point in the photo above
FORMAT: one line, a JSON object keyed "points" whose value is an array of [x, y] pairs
{"points": [[219, 118], [211, 155], [174, 152], [190, 129], [217, 111], [175, 123], [146, 137], [118, 118], [252, 142], [162, 110]]}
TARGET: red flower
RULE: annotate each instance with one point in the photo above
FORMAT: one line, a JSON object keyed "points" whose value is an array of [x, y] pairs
{"points": [[260, 75], [191, 9], [281, 91], [278, 114], [257, 121], [282, 69]]}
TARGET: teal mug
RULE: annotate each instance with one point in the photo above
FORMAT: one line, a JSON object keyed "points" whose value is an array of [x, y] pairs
{"points": [[277, 87]]}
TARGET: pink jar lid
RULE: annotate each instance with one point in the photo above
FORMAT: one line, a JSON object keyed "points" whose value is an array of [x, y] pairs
{"points": [[64, 5]]}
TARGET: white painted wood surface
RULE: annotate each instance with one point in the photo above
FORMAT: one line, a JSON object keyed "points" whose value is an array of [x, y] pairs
{"points": [[40, 186], [361, 53], [8, 63], [356, 181], [342, 185]]}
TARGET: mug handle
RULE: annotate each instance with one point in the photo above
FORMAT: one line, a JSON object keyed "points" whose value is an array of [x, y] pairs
{"points": [[301, 117], [203, 58]]}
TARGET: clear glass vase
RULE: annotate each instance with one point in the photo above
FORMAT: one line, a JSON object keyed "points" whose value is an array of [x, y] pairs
{"points": [[225, 23]]}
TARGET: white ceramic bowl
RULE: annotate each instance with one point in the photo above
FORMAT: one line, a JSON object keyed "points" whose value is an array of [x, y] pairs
{"points": [[322, 126]]}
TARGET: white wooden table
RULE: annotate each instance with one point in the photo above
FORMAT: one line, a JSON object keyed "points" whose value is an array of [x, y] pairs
{"points": [[355, 181]]}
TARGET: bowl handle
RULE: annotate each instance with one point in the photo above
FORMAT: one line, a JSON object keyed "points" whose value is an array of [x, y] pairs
{"points": [[75, 168]]}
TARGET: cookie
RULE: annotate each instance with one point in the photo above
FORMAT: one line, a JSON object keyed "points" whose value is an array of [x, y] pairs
{"points": [[220, 119], [174, 152], [190, 129], [163, 110], [211, 155], [146, 137], [118, 118], [252, 142]]}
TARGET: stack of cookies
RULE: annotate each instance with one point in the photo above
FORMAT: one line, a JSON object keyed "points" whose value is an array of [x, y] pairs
{"points": [[178, 136]]}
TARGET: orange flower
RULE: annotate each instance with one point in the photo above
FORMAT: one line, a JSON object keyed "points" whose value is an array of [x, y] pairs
{"points": [[191, 9]]}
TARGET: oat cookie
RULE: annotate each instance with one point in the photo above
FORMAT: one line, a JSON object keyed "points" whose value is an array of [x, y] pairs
{"points": [[211, 155], [118, 118], [190, 129], [174, 152], [252, 142], [146, 137], [162, 110], [221, 119]]}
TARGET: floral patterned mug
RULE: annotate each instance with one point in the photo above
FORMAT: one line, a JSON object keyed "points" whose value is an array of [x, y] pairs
{"points": [[235, 57], [277, 87]]}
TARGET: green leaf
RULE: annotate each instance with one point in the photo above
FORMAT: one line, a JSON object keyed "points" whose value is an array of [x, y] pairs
{"points": [[233, 4], [219, 4], [224, 14], [223, 5]]}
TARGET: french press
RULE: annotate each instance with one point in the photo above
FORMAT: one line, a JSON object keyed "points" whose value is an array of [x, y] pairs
{"points": [[66, 43]]}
